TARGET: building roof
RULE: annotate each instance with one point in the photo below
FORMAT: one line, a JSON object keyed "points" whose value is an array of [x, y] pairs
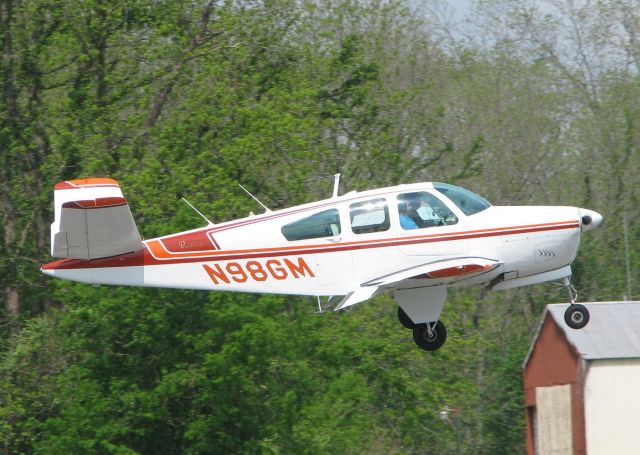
{"points": [[613, 331]]}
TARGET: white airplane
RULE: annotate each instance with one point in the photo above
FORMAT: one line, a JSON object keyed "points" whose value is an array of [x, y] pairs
{"points": [[417, 239]]}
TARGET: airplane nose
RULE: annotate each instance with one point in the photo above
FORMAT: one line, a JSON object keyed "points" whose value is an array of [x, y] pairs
{"points": [[589, 220]]}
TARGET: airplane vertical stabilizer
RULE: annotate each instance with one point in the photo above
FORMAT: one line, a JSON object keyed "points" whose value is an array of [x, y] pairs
{"points": [[92, 220]]}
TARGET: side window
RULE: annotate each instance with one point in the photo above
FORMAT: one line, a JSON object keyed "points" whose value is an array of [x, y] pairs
{"points": [[369, 216], [321, 224], [422, 210]]}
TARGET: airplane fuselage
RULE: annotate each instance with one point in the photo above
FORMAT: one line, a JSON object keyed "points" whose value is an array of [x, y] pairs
{"points": [[253, 255]]}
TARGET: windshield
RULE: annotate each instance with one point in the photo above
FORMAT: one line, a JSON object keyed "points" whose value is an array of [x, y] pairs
{"points": [[465, 200]]}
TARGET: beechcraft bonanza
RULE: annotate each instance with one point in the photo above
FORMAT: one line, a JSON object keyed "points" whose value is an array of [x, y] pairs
{"points": [[417, 240]]}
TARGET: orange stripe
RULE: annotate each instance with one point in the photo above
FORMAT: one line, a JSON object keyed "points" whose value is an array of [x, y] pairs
{"points": [[159, 252]]}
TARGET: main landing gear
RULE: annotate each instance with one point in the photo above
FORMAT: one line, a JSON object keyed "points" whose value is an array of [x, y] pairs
{"points": [[576, 316], [428, 336]]}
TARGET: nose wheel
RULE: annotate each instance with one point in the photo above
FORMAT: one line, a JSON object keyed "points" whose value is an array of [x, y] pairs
{"points": [[576, 316]]}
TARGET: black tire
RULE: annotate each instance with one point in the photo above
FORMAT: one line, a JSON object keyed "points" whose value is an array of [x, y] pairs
{"points": [[404, 319], [430, 343], [576, 316]]}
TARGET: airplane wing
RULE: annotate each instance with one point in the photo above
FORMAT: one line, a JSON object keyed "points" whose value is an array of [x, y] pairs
{"points": [[92, 220], [434, 273]]}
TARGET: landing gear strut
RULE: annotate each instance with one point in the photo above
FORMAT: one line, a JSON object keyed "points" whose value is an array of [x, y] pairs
{"points": [[430, 336], [576, 316]]}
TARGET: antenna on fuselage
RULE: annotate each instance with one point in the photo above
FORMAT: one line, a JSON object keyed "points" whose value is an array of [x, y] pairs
{"points": [[197, 211], [336, 184], [255, 198]]}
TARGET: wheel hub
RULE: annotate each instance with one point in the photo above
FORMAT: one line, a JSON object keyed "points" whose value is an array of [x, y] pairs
{"points": [[577, 317], [430, 335]]}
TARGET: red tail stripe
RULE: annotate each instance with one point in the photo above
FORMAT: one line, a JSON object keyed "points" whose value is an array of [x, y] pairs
{"points": [[97, 203], [89, 182]]}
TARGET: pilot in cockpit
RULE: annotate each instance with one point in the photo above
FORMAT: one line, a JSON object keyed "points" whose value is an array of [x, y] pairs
{"points": [[417, 211], [409, 217]]}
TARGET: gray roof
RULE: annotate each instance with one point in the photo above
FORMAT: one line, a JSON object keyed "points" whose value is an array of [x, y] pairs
{"points": [[613, 331]]}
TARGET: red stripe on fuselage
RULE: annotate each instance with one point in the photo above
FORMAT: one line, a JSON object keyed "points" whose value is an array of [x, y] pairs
{"points": [[137, 258], [189, 242], [159, 252], [145, 257]]}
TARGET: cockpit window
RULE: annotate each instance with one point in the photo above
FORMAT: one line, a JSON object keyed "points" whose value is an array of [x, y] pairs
{"points": [[422, 210], [321, 224], [465, 200]]}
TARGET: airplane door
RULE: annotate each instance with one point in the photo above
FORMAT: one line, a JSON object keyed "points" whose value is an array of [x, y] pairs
{"points": [[427, 226], [374, 248]]}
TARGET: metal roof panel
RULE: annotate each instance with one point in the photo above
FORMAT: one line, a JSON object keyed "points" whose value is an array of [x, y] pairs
{"points": [[613, 331]]}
